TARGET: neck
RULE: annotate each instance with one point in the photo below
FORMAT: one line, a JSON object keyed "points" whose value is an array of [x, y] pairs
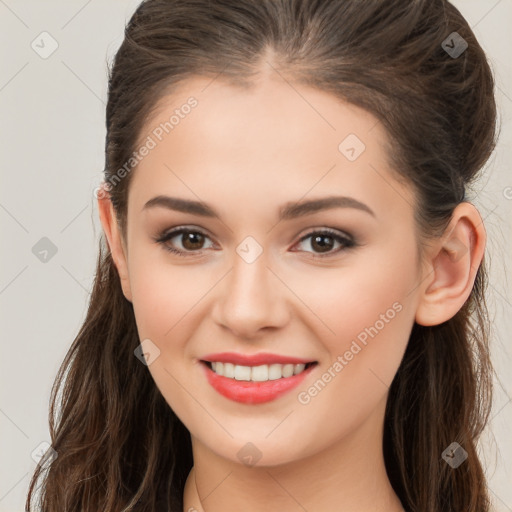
{"points": [[349, 476]]}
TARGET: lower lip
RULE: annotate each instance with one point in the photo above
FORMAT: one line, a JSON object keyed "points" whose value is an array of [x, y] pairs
{"points": [[248, 392]]}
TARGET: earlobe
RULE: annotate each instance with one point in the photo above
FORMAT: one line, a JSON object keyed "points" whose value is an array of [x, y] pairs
{"points": [[454, 261], [114, 239]]}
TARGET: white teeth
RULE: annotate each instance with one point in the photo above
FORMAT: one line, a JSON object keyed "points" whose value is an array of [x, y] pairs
{"points": [[275, 371], [298, 368], [228, 370], [260, 373], [242, 372], [287, 370]]}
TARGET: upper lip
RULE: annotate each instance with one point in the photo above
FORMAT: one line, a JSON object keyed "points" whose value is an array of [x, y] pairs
{"points": [[254, 359]]}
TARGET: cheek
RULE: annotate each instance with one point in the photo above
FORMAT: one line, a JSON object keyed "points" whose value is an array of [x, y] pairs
{"points": [[364, 354], [367, 293], [163, 293], [365, 313], [166, 301]]}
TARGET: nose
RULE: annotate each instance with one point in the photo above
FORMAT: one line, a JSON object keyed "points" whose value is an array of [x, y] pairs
{"points": [[251, 299]]}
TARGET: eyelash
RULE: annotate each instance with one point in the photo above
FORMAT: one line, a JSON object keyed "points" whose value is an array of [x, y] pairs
{"points": [[164, 237]]}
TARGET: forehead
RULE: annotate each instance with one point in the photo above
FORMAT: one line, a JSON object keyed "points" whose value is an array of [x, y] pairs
{"points": [[226, 114], [283, 136]]}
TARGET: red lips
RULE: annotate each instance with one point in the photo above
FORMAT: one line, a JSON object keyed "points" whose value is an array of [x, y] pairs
{"points": [[254, 359], [248, 392]]}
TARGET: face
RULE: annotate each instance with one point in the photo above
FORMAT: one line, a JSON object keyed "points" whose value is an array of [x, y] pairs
{"points": [[262, 285]]}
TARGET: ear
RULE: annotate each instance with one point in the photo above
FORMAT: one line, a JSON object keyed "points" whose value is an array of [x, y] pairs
{"points": [[451, 267], [115, 242]]}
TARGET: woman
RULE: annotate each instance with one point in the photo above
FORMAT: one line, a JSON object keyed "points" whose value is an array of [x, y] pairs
{"points": [[288, 312]]}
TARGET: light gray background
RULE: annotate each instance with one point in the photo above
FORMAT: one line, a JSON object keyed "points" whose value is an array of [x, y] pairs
{"points": [[52, 133]]}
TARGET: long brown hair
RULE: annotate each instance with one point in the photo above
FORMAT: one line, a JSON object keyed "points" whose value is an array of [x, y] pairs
{"points": [[120, 446]]}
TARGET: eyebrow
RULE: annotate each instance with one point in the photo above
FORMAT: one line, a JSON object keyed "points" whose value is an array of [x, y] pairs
{"points": [[290, 210]]}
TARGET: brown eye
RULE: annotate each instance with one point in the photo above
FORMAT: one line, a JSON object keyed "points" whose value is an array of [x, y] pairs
{"points": [[323, 242], [191, 240]]}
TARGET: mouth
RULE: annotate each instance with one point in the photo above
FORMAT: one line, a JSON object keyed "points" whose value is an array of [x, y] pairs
{"points": [[255, 384], [260, 373]]}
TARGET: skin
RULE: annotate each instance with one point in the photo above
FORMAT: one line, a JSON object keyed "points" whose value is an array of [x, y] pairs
{"points": [[246, 153]]}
